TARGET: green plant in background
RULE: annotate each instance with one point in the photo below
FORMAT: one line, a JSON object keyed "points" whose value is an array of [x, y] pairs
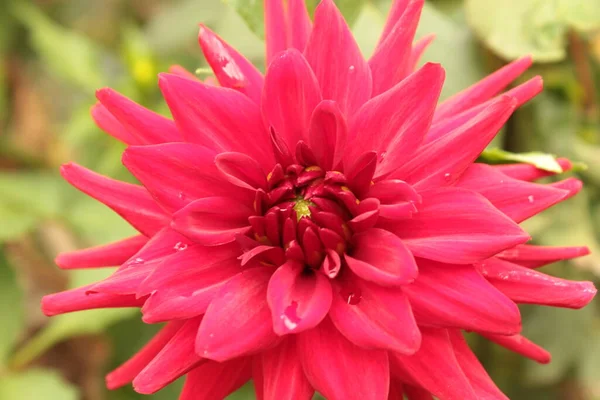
{"points": [[54, 53]]}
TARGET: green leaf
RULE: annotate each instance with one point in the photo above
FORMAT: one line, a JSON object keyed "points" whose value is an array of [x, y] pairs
{"points": [[36, 384], [454, 47], [11, 309], [514, 28], [252, 12], [543, 161], [69, 55]]}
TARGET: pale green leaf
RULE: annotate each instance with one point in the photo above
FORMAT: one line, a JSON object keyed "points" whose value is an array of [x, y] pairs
{"points": [[11, 309], [368, 28], [543, 161], [69, 55], [36, 384], [252, 12], [583, 15]]}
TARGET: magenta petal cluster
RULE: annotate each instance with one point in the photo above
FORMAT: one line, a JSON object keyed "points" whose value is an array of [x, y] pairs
{"points": [[323, 227]]}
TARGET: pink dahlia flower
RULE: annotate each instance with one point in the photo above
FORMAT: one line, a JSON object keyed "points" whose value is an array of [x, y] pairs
{"points": [[325, 226]]}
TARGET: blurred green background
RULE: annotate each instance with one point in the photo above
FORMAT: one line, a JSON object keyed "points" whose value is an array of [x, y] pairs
{"points": [[55, 53]]}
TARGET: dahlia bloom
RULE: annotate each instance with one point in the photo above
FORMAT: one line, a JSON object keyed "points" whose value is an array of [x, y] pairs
{"points": [[323, 227]]}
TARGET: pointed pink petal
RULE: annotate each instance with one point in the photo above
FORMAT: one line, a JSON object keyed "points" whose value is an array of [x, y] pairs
{"points": [[290, 95], [481, 382], [212, 220], [391, 62], [147, 126], [524, 285], [457, 226], [183, 285], [372, 316], [343, 73], [396, 11], [204, 115], [460, 148], [131, 202], [528, 172], [126, 372], [537, 256], [484, 89], [123, 281], [176, 174], [395, 132], [106, 255], [287, 25], [298, 299], [109, 124], [519, 200], [338, 369], [181, 71], [434, 366], [522, 345], [213, 380], [232, 69], [175, 359], [327, 134], [381, 257], [80, 299], [241, 170], [283, 376], [419, 48], [238, 320], [162, 244], [459, 297]]}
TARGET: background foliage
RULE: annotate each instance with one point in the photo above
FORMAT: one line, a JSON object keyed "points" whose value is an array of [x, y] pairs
{"points": [[55, 53]]}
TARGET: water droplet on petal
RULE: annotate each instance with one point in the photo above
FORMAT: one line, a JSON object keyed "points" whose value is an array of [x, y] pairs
{"points": [[531, 199], [352, 68], [137, 261], [181, 195], [289, 317], [180, 246], [448, 177]]}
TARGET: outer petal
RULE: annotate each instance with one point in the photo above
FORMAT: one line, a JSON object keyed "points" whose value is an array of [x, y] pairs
{"points": [[433, 366], [109, 124], [175, 359], [396, 132], [417, 393], [212, 220], [327, 134], [457, 226], [131, 202], [298, 300], [107, 255], [218, 118], [287, 25], [237, 322], [537, 256], [213, 380], [125, 373], [183, 285], [459, 148], [232, 69], [147, 126], [522, 345], [484, 89], [381, 257], [290, 95], [517, 199], [80, 299], [481, 382], [372, 316], [283, 376], [343, 74], [340, 370], [176, 174], [392, 61], [459, 297], [528, 172], [524, 285]]}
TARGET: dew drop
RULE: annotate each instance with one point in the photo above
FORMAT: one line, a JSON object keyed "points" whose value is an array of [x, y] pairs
{"points": [[382, 155], [352, 68], [181, 196], [531, 199], [180, 246], [447, 177], [137, 261], [290, 317]]}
